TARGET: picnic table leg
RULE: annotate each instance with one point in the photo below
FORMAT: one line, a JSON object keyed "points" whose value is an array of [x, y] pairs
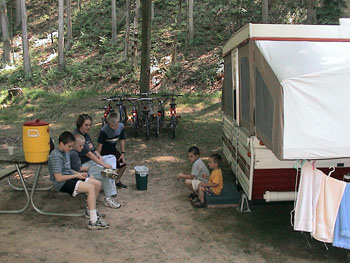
{"points": [[37, 174], [28, 188], [25, 190]]}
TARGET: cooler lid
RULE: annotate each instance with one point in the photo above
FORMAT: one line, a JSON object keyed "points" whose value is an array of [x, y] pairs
{"points": [[141, 169], [35, 122]]}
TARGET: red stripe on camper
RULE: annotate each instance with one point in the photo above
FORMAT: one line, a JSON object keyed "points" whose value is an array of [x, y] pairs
{"points": [[282, 180], [302, 39]]}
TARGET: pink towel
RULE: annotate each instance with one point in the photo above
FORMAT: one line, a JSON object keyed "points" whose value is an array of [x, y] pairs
{"points": [[331, 193]]}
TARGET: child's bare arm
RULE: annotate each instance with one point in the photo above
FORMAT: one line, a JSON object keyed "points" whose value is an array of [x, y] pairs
{"points": [[83, 169], [208, 184], [184, 176], [205, 176]]}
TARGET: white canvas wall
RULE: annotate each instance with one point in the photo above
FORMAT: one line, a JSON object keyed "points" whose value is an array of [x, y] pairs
{"points": [[315, 78]]}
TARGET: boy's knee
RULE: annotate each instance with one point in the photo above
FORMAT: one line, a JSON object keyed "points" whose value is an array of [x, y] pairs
{"points": [[97, 183], [91, 189]]}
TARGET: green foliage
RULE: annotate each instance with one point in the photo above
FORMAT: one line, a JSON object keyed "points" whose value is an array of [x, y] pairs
{"points": [[94, 63], [329, 11]]}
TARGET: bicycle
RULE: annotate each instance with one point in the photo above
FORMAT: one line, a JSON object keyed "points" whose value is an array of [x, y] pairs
{"points": [[111, 108], [146, 105], [134, 114], [173, 115], [160, 115], [146, 109]]}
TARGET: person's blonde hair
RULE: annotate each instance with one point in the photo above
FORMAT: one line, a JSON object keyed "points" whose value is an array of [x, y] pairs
{"points": [[113, 118], [79, 137]]}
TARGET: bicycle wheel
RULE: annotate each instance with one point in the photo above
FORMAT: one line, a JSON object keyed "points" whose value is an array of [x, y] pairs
{"points": [[173, 125], [147, 128], [125, 115], [104, 122], [158, 126], [135, 126]]}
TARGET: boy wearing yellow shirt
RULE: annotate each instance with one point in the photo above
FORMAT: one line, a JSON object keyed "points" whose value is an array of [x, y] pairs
{"points": [[215, 183]]}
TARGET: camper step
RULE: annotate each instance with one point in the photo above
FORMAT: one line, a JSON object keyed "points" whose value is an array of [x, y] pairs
{"points": [[229, 197]]}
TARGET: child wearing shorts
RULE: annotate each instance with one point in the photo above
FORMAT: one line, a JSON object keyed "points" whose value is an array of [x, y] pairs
{"points": [[64, 179], [215, 184], [199, 172]]}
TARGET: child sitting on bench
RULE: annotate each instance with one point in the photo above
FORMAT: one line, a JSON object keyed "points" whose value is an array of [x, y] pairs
{"points": [[215, 183], [64, 179]]}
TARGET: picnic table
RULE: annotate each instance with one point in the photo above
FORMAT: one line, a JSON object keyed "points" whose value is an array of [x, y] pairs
{"points": [[17, 161]]}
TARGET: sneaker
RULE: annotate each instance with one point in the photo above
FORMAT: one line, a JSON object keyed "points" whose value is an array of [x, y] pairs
{"points": [[99, 224], [198, 205], [110, 173], [195, 200], [99, 214], [121, 185], [192, 196], [103, 221], [112, 203]]}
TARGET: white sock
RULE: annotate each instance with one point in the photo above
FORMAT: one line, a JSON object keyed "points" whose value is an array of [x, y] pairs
{"points": [[93, 216]]}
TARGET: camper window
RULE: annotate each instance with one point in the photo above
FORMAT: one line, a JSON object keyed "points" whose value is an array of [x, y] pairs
{"points": [[245, 89], [264, 106], [227, 91]]}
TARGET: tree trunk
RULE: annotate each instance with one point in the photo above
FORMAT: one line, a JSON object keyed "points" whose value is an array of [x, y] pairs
{"points": [[152, 11], [69, 25], [146, 46], [311, 12], [127, 30], [230, 8], [177, 24], [5, 32], [135, 43], [79, 5], [49, 20], [61, 34], [18, 13], [265, 11], [26, 57], [190, 21], [114, 23]]}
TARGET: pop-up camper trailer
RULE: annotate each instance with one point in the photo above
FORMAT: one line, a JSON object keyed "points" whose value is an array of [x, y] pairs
{"points": [[286, 96]]}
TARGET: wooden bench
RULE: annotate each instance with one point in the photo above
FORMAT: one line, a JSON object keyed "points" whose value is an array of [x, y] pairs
{"points": [[10, 170], [229, 197]]}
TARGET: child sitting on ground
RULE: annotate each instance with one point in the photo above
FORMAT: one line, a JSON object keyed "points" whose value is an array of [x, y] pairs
{"points": [[64, 179], [215, 183], [199, 172], [75, 161]]}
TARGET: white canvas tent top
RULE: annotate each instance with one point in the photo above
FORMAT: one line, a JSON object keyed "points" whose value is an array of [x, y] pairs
{"points": [[293, 87]]}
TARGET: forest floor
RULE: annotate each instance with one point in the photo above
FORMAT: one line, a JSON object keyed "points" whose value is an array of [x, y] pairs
{"points": [[159, 224]]}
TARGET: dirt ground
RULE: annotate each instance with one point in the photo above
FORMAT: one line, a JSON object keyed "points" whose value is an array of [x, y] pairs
{"points": [[156, 225]]}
